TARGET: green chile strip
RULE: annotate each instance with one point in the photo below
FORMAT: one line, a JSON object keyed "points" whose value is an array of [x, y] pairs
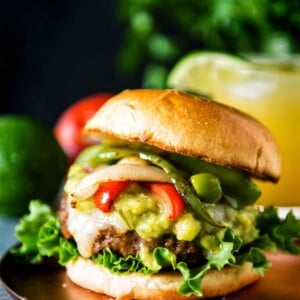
{"points": [[237, 188], [182, 186]]}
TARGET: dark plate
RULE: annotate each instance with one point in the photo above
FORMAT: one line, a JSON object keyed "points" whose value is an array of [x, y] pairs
{"points": [[49, 281]]}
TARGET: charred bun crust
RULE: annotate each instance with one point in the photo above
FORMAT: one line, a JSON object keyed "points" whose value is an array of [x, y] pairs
{"points": [[190, 125]]}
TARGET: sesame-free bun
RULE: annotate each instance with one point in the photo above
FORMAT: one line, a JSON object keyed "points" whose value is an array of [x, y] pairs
{"points": [[92, 276], [190, 125]]}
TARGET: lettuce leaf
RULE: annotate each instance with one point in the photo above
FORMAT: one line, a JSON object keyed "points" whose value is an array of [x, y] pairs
{"points": [[118, 264], [28, 228], [281, 232], [48, 237], [67, 251], [226, 254], [40, 235], [192, 278]]}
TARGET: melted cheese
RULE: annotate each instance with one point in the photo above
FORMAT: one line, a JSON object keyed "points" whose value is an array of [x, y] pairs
{"points": [[85, 221], [84, 225]]}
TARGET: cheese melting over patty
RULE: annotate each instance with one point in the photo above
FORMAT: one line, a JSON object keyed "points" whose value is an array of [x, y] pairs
{"points": [[85, 223]]}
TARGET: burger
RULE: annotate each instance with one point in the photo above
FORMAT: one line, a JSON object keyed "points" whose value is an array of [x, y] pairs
{"points": [[164, 205]]}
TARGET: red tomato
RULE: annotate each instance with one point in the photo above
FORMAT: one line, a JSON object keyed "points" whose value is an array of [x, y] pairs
{"points": [[68, 129]]}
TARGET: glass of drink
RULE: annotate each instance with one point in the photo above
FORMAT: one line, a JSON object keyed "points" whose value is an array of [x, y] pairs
{"points": [[269, 89]]}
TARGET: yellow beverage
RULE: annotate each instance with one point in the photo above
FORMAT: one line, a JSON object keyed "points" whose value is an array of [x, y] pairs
{"points": [[272, 95]]}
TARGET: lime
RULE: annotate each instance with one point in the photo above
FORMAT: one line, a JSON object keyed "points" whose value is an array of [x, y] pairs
{"points": [[197, 71], [32, 164]]}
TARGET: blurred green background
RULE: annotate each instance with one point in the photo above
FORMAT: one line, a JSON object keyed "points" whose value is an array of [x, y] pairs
{"points": [[55, 52], [158, 33]]}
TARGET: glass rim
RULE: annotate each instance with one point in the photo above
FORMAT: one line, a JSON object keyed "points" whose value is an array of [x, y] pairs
{"points": [[286, 61]]}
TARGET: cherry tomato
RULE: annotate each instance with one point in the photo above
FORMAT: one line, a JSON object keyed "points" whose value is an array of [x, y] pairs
{"points": [[68, 129]]}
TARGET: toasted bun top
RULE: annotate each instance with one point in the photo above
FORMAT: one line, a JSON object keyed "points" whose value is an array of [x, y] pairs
{"points": [[190, 125]]}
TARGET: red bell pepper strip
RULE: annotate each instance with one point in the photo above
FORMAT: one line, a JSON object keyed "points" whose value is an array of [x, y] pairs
{"points": [[107, 192], [171, 199]]}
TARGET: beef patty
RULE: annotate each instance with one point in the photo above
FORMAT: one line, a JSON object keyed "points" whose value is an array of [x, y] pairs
{"points": [[129, 242]]}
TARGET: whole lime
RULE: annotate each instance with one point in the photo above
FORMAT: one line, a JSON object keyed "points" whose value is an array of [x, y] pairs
{"points": [[32, 164]]}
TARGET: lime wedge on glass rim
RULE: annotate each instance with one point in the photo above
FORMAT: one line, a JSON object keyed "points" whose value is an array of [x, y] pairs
{"points": [[198, 71]]}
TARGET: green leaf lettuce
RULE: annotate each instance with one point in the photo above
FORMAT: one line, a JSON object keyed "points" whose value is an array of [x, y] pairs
{"points": [[40, 235]]}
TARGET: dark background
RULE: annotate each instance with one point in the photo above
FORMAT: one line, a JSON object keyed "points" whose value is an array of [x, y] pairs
{"points": [[53, 53]]}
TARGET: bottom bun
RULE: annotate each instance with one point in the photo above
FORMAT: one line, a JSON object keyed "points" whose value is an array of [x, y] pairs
{"points": [[215, 283]]}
